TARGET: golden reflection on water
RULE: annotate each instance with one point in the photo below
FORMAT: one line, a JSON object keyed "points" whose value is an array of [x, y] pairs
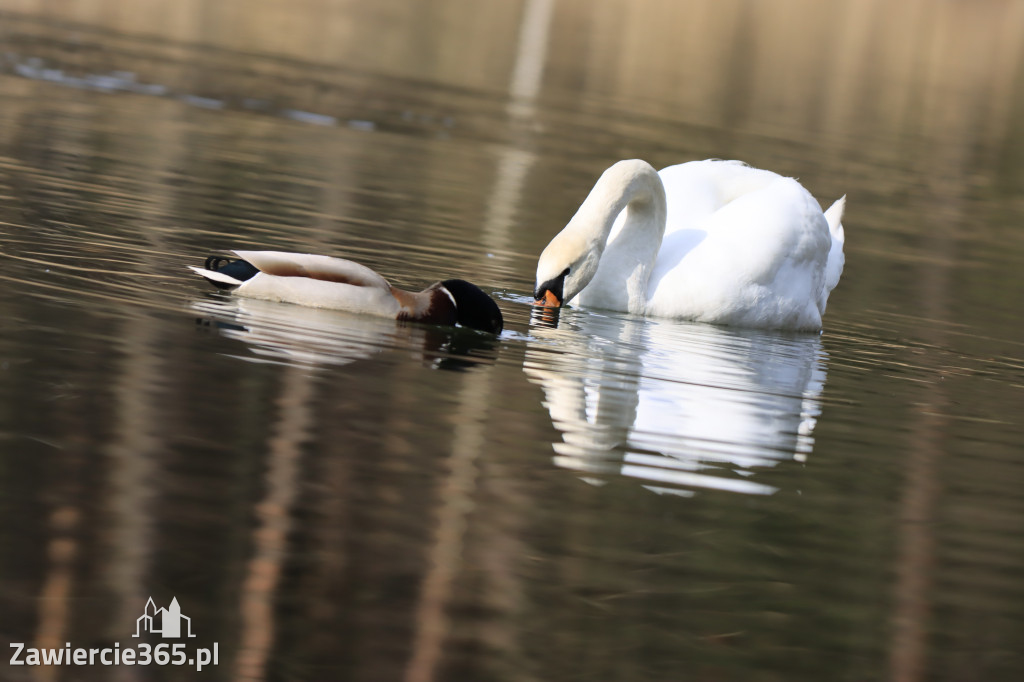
{"points": [[869, 69], [458, 487], [821, 60], [274, 515]]}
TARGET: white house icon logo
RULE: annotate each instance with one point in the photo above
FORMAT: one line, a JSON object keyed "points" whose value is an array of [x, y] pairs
{"points": [[166, 622]]}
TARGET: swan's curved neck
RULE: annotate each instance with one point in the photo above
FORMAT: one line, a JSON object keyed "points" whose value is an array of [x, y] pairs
{"points": [[625, 216]]}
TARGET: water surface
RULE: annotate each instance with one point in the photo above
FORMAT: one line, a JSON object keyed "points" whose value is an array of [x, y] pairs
{"points": [[589, 496]]}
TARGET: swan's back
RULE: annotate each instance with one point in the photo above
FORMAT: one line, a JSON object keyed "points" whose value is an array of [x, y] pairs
{"points": [[697, 189], [744, 247]]}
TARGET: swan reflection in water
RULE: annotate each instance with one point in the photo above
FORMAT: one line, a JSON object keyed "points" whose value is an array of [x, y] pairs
{"points": [[298, 335], [676, 406]]}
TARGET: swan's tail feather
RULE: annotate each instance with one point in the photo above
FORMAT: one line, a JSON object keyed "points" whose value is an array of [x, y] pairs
{"points": [[836, 259], [834, 216]]}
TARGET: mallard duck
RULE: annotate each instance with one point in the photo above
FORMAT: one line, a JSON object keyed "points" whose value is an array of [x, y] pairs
{"points": [[326, 282]]}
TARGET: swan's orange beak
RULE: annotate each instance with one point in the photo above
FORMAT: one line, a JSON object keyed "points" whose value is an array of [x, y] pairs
{"points": [[549, 300]]}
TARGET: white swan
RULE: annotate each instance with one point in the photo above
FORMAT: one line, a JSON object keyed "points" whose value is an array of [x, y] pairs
{"points": [[711, 241]]}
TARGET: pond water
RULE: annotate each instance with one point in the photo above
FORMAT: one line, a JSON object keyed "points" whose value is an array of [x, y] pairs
{"points": [[589, 496]]}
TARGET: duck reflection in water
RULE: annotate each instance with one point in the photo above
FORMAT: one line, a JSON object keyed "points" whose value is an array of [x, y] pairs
{"points": [[677, 406], [297, 335]]}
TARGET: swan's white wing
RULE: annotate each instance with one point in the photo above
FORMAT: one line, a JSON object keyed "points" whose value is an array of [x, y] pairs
{"points": [[760, 262], [696, 189]]}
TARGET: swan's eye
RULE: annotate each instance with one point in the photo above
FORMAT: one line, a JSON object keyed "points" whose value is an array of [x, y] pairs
{"points": [[564, 272]]}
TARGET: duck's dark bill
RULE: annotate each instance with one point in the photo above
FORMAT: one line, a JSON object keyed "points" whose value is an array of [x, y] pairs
{"points": [[550, 300]]}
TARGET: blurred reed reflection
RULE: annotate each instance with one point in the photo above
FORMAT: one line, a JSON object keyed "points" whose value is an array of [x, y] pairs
{"points": [[676, 406], [795, 68]]}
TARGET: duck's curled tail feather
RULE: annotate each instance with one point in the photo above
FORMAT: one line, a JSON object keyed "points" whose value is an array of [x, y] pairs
{"points": [[225, 273]]}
